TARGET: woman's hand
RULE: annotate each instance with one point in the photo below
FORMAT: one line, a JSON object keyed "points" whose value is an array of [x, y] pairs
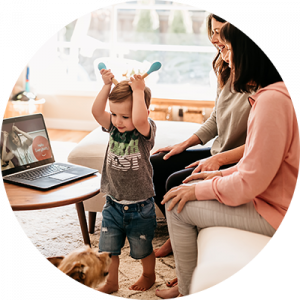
{"points": [[172, 150], [15, 128], [5, 134], [180, 194], [207, 164], [202, 176]]}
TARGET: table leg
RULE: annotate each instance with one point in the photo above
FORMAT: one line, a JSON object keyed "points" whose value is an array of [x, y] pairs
{"points": [[92, 221], [83, 225]]}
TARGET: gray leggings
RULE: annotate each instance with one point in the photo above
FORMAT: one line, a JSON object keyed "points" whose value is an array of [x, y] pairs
{"points": [[184, 228]]}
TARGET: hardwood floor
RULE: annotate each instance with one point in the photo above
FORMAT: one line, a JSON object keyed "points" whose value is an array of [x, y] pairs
{"points": [[61, 135]]}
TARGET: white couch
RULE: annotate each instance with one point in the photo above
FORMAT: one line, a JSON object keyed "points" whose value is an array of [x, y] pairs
{"points": [[238, 247], [221, 253]]}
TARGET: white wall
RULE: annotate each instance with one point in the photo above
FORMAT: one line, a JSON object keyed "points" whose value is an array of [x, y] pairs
{"points": [[68, 112]]}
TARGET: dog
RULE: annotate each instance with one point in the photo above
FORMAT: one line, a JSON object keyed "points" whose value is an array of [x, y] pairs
{"points": [[85, 265]]}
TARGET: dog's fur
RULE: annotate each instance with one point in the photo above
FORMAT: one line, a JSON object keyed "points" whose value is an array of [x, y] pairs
{"points": [[85, 265]]}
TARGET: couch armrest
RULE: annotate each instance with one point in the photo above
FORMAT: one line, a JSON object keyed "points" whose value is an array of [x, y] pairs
{"points": [[222, 252], [90, 151]]}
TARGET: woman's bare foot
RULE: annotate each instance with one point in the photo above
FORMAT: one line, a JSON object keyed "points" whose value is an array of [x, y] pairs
{"points": [[172, 282], [108, 288], [173, 292], [164, 250], [144, 283]]}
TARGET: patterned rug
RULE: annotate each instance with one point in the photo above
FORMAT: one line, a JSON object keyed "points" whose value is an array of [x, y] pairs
{"points": [[57, 231]]}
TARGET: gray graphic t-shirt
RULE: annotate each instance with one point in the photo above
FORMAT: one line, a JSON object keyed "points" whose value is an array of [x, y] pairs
{"points": [[127, 171]]}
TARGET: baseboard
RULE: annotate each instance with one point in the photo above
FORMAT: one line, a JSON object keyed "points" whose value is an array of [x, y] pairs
{"points": [[69, 124]]}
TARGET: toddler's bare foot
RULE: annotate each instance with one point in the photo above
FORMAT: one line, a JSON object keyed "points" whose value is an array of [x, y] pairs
{"points": [[164, 250], [108, 288], [168, 293], [144, 283]]}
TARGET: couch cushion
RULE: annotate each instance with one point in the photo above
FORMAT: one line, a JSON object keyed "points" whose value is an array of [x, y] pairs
{"points": [[222, 252]]}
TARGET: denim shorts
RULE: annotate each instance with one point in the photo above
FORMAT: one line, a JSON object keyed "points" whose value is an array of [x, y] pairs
{"points": [[135, 221]]}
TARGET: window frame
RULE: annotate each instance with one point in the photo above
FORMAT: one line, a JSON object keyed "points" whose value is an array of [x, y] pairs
{"points": [[71, 86]]}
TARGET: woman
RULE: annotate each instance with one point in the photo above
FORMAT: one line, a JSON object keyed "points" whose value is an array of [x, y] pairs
{"points": [[5, 160], [255, 194], [18, 148], [230, 108]]}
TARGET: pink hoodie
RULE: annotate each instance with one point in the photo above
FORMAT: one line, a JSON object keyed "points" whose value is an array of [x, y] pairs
{"points": [[267, 173]]}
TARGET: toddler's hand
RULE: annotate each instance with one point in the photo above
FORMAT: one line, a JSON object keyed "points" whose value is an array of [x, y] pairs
{"points": [[137, 83], [107, 76]]}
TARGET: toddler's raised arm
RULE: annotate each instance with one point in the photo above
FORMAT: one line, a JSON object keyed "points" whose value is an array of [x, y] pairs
{"points": [[139, 109], [98, 109]]}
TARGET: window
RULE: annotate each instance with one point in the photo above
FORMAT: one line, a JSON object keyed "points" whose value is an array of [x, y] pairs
{"points": [[144, 31]]}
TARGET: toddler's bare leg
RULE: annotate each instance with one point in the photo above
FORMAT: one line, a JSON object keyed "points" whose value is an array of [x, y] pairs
{"points": [[147, 279], [112, 283]]}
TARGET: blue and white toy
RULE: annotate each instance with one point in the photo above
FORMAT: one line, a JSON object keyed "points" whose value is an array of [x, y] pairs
{"points": [[154, 67]]}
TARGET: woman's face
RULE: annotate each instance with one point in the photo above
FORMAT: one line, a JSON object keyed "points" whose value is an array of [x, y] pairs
{"points": [[15, 139], [215, 37], [228, 56]]}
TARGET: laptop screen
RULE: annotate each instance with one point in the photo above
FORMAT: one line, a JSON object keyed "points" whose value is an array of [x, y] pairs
{"points": [[24, 144]]}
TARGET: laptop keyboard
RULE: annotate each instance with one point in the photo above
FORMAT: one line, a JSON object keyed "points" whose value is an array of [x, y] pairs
{"points": [[40, 172]]}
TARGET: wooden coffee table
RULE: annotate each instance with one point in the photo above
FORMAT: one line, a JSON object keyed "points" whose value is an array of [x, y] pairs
{"points": [[23, 198]]}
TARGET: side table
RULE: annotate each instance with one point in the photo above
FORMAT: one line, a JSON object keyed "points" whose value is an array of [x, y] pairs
{"points": [[21, 108]]}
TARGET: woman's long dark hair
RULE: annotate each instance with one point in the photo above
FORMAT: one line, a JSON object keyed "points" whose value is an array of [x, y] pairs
{"points": [[220, 67], [252, 68]]}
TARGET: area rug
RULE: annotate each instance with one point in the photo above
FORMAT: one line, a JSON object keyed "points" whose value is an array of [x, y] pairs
{"points": [[56, 231]]}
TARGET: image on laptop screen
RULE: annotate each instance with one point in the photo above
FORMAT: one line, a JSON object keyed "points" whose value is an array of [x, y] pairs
{"points": [[24, 142]]}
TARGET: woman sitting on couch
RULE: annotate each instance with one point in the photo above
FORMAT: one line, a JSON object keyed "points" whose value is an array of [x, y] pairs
{"points": [[227, 126], [255, 194]]}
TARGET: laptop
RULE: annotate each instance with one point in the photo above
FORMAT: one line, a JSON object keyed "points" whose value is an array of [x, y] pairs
{"points": [[27, 158]]}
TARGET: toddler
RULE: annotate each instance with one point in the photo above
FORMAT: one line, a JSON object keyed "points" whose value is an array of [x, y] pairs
{"points": [[126, 179]]}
